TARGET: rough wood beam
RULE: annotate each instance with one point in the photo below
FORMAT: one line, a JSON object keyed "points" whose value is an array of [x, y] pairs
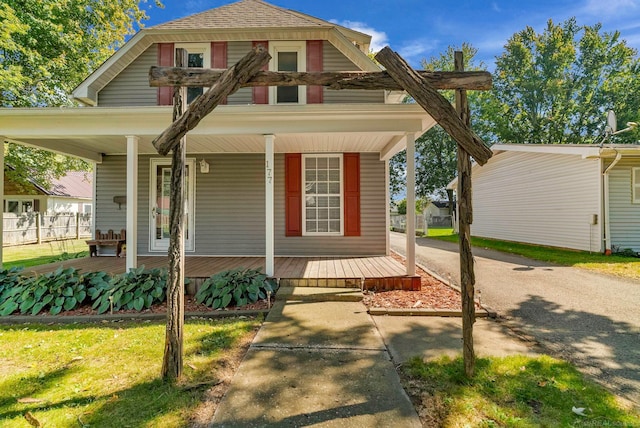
{"points": [[467, 275], [198, 77], [230, 81], [434, 104]]}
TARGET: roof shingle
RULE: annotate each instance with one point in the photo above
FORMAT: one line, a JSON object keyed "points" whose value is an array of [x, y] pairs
{"points": [[244, 14]]}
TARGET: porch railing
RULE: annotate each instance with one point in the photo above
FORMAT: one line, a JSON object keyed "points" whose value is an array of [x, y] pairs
{"points": [[35, 227]]}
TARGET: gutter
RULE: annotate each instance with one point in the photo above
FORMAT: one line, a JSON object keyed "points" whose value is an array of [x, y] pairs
{"points": [[605, 203]]}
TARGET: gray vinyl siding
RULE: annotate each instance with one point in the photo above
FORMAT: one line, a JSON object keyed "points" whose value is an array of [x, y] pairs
{"points": [[131, 86], [538, 198], [230, 208], [111, 181], [372, 210], [235, 51], [334, 60], [625, 215]]}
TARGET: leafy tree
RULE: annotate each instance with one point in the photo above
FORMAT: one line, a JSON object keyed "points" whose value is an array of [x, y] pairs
{"points": [[555, 87], [46, 48]]}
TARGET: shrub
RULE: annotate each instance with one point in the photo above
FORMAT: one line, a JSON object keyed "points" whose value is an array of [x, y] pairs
{"points": [[240, 286], [63, 289], [136, 289]]}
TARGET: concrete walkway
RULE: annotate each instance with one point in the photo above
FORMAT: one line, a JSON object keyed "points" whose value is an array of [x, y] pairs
{"points": [[590, 319], [316, 364]]}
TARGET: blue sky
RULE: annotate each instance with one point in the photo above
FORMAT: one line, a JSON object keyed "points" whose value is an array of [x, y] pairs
{"points": [[419, 29]]}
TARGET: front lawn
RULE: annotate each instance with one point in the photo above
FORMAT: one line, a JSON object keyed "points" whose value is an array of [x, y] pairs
{"points": [[627, 267], [40, 254], [107, 374], [515, 391]]}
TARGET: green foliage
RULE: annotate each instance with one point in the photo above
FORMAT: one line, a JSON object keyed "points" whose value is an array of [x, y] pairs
{"points": [[63, 289], [555, 87], [512, 391], [238, 286], [47, 48], [137, 289]]}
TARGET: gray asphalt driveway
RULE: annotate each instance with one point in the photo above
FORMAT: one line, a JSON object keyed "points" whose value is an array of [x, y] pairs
{"points": [[590, 319]]}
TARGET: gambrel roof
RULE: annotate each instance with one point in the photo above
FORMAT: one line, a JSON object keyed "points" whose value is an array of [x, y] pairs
{"points": [[243, 20]]}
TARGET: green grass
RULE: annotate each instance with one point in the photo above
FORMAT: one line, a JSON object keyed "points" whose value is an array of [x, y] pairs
{"points": [[515, 391], [40, 254], [107, 374], [627, 267]]}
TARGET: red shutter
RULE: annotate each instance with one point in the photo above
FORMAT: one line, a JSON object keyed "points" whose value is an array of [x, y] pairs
{"points": [[219, 58], [261, 93], [293, 194], [165, 59], [314, 63], [351, 174]]}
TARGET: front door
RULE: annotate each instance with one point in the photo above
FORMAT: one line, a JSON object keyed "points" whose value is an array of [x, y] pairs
{"points": [[160, 200]]}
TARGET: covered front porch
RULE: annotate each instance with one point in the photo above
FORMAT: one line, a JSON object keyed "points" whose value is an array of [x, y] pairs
{"points": [[379, 273]]}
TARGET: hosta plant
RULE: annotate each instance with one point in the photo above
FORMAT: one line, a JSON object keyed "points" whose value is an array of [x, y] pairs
{"points": [[63, 289], [137, 289], [238, 286]]}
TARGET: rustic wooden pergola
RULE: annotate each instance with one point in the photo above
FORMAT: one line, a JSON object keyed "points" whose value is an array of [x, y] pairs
{"points": [[422, 86]]}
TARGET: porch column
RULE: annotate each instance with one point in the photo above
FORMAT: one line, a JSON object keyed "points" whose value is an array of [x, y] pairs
{"points": [[132, 202], [411, 204], [2, 198], [269, 221], [387, 206]]}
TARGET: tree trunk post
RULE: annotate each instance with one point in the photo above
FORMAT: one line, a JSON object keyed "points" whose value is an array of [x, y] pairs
{"points": [[173, 352], [467, 276]]}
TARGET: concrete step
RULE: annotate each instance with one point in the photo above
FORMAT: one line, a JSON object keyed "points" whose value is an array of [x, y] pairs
{"points": [[320, 294]]}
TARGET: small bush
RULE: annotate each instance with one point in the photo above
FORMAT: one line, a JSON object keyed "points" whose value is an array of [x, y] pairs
{"points": [[60, 290], [238, 286], [137, 289]]}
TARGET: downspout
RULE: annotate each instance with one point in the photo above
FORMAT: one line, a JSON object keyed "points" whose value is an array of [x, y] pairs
{"points": [[605, 192]]}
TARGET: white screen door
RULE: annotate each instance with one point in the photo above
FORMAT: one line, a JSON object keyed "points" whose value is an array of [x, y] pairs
{"points": [[159, 203]]}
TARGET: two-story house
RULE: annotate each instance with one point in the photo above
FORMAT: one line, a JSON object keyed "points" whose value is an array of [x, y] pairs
{"points": [[275, 171]]}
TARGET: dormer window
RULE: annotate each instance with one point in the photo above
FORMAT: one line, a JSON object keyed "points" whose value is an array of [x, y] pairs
{"points": [[288, 56], [198, 56]]}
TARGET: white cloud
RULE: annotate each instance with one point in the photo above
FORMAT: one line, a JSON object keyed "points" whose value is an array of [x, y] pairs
{"points": [[416, 50], [379, 39], [609, 8], [495, 7]]}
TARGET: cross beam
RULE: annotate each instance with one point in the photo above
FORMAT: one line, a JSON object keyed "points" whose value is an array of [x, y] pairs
{"points": [[198, 77]]}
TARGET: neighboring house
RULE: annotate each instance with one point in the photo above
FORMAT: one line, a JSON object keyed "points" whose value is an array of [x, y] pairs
{"points": [[437, 213], [573, 196], [295, 171], [71, 193]]}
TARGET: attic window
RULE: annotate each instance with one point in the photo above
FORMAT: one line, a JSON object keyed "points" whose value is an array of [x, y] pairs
{"points": [[288, 56], [198, 56]]}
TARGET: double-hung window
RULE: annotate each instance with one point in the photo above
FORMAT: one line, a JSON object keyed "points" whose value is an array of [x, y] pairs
{"points": [[323, 199], [288, 56], [198, 56]]}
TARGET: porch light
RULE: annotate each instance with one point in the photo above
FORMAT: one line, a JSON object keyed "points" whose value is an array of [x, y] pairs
{"points": [[204, 167]]}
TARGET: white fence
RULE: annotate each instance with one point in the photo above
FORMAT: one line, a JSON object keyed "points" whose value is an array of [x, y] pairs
{"points": [[35, 227], [399, 222]]}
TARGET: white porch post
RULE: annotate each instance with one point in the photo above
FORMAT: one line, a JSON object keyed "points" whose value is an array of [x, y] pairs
{"points": [[387, 206], [411, 204], [2, 198], [269, 221], [132, 201]]}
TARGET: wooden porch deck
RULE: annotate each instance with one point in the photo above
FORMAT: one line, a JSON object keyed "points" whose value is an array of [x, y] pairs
{"points": [[381, 273]]}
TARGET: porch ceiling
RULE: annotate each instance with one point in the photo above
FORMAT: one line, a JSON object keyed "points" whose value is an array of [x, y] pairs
{"points": [[92, 132]]}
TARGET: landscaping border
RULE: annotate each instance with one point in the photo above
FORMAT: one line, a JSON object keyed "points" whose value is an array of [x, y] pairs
{"points": [[72, 319]]}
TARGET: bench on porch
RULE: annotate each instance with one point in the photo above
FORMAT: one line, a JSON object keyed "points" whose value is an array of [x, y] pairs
{"points": [[109, 239]]}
